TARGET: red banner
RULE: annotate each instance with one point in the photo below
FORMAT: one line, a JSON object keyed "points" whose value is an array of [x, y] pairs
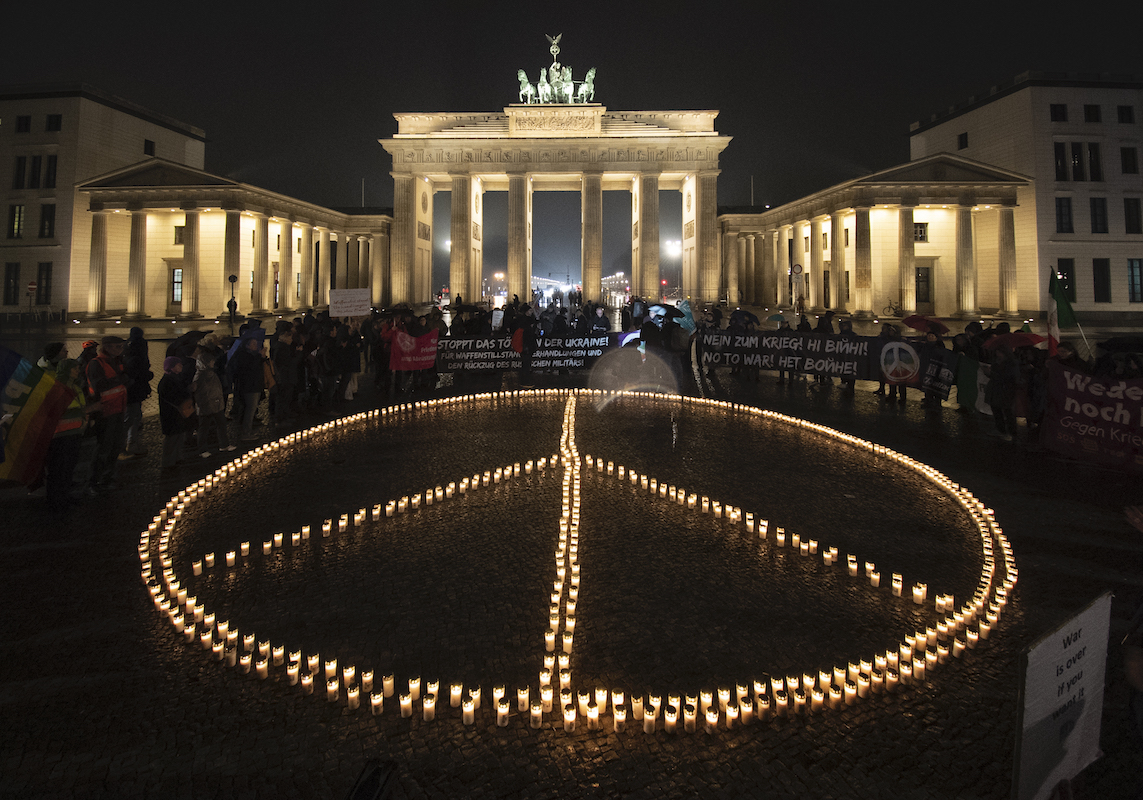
{"points": [[1095, 419], [410, 353]]}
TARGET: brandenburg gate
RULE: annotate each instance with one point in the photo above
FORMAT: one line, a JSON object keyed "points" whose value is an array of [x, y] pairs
{"points": [[554, 139]]}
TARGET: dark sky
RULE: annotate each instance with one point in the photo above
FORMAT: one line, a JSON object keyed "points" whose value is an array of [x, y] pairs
{"points": [[293, 97]]}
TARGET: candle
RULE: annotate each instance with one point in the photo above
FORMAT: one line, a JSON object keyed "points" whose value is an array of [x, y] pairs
{"points": [[781, 703], [367, 681], [565, 678], [537, 715], [690, 714], [723, 698], [454, 694], [332, 690], [266, 547], [746, 709], [331, 668], [546, 693], [387, 685], [731, 715], [569, 718], [353, 695], [650, 720], [279, 654], [593, 718], [711, 720], [406, 701], [429, 708], [522, 699], [292, 672], [550, 639], [209, 560], [307, 679], [376, 702], [618, 717], [637, 708], [474, 695], [230, 556], [584, 700], [415, 688]]}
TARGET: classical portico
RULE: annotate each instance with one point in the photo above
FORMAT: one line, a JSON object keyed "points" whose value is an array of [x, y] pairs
{"points": [[553, 147], [933, 236], [165, 239]]}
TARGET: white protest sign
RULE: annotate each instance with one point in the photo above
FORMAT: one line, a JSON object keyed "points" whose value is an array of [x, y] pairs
{"points": [[1062, 702], [349, 302]]}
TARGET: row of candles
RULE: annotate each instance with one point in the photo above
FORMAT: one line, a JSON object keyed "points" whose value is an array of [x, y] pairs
{"points": [[919, 652]]}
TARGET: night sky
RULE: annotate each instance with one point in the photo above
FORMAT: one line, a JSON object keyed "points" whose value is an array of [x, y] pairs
{"points": [[293, 97]]}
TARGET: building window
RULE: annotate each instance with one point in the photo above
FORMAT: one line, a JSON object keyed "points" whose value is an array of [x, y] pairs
{"points": [[1098, 215], [1101, 279], [298, 287], [19, 172], [50, 173], [846, 236], [148, 147], [962, 141], [54, 124], [12, 284], [1135, 280], [1094, 162], [1129, 160], [34, 174], [1066, 275], [44, 283], [1077, 162], [179, 229], [807, 247], [1064, 215], [1132, 215], [16, 221], [1091, 114], [1127, 114], [23, 124], [825, 241], [1059, 112], [299, 244], [177, 285], [48, 221], [920, 231]]}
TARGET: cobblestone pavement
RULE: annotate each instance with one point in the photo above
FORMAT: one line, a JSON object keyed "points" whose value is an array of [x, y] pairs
{"points": [[101, 698]]}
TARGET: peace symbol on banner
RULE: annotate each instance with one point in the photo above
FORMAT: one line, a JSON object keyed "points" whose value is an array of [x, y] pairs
{"points": [[899, 362]]}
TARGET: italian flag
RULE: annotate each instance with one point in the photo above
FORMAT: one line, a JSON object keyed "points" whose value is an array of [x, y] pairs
{"points": [[1060, 314]]}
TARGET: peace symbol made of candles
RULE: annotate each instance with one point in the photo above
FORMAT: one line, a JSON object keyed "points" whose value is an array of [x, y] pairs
{"points": [[554, 697]]}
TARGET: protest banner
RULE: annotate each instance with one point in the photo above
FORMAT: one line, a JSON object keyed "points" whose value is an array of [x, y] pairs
{"points": [[413, 352], [349, 303], [1095, 419], [36, 401], [478, 353]]}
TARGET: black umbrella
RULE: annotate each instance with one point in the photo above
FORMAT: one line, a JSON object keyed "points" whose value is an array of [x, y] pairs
{"points": [[184, 345], [1123, 344], [670, 312], [744, 315]]}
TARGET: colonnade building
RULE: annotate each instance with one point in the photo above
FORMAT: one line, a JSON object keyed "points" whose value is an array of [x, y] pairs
{"points": [[111, 214]]}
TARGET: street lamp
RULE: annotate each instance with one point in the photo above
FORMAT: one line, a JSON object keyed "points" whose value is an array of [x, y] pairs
{"points": [[232, 304]]}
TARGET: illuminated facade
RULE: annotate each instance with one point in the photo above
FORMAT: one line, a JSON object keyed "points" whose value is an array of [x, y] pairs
{"points": [[51, 138], [933, 236], [528, 148], [1079, 139]]}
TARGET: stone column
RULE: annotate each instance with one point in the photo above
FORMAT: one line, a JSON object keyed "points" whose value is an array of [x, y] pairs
{"points": [[1006, 227], [306, 296], [519, 281], [649, 286], [965, 263], [137, 266], [97, 265], [906, 261], [363, 245], [190, 265], [767, 292], [321, 277], [591, 200], [262, 281], [837, 259], [706, 215], [750, 279], [460, 230], [782, 273], [379, 258], [232, 254], [352, 261], [404, 239], [733, 253], [286, 290], [862, 265], [817, 267]]}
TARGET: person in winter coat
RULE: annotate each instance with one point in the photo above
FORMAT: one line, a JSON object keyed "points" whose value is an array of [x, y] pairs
{"points": [[173, 395], [209, 403], [137, 367], [249, 381], [1000, 394]]}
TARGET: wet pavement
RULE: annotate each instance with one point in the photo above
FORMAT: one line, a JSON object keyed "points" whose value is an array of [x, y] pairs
{"points": [[101, 697]]}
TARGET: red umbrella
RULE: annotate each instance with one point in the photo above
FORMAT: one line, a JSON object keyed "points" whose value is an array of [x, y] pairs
{"points": [[1013, 340], [919, 322]]}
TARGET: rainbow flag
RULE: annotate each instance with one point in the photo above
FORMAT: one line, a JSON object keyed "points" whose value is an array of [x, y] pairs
{"points": [[37, 401]]}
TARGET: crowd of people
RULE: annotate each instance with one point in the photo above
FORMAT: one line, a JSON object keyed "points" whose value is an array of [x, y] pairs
{"points": [[311, 364]]}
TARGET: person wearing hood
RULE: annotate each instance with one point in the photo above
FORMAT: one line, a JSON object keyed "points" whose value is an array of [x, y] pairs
{"points": [[174, 404], [137, 367], [63, 452]]}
